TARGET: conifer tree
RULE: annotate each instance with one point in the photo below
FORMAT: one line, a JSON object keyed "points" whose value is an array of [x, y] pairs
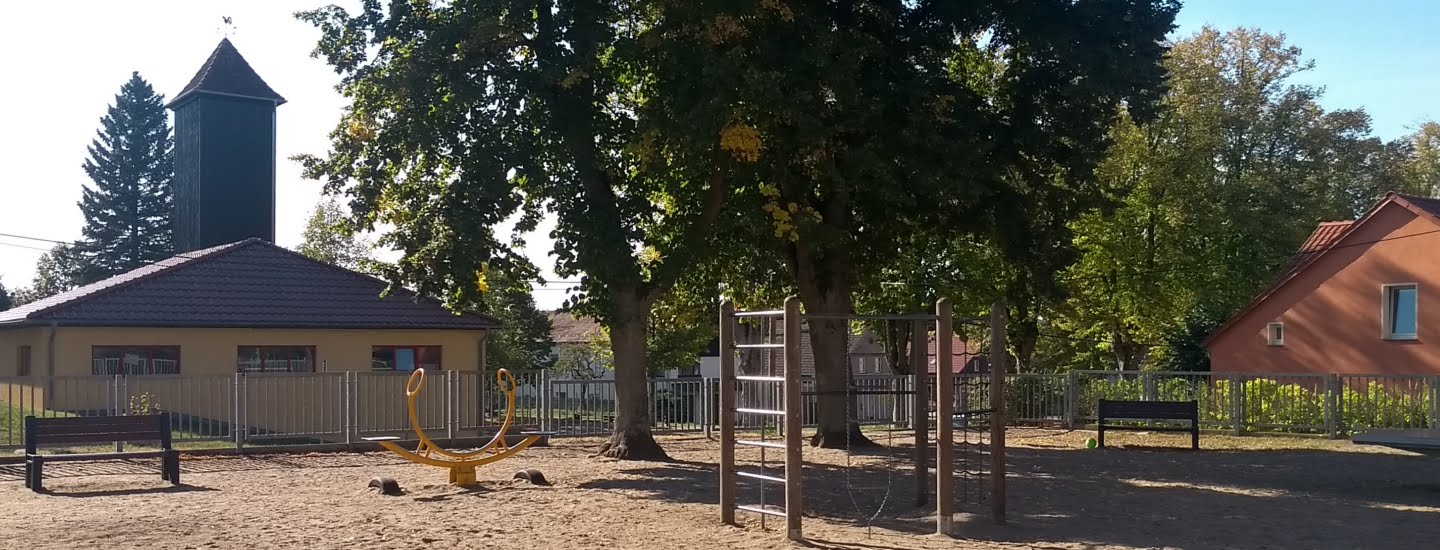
{"points": [[127, 207]]}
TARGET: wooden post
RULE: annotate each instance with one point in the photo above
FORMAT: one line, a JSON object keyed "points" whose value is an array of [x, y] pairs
{"points": [[794, 501], [944, 418], [726, 412], [920, 417], [998, 357]]}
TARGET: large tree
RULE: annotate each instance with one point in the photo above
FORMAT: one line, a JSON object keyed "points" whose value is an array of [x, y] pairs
{"points": [[873, 121], [1215, 194], [127, 207], [463, 114], [6, 301], [56, 271], [523, 341]]}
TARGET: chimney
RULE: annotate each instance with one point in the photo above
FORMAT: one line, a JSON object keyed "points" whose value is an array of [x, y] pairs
{"points": [[224, 154]]}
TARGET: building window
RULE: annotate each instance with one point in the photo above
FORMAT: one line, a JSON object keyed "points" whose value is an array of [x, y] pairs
{"points": [[135, 359], [275, 359], [1275, 332], [22, 361], [404, 358], [1400, 310]]}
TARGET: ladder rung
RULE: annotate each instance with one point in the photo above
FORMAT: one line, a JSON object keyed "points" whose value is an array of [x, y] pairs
{"points": [[769, 444], [765, 313], [771, 412], [759, 346], [761, 511], [761, 477], [760, 378]]}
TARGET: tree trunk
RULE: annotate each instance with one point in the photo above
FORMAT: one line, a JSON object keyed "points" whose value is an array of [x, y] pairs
{"points": [[828, 344], [632, 439]]}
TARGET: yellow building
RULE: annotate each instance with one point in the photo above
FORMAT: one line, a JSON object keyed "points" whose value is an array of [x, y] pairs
{"points": [[246, 307]]}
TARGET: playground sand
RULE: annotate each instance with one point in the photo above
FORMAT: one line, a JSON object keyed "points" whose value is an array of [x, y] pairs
{"points": [[1145, 493]]}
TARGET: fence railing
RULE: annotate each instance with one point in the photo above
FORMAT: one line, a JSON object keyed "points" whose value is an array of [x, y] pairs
{"points": [[270, 409]]}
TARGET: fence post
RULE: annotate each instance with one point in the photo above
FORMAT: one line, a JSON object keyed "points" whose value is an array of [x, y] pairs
{"points": [[237, 422], [1237, 407], [1072, 404], [547, 404], [1434, 402], [347, 418], [448, 395], [705, 389], [122, 404], [1332, 397]]}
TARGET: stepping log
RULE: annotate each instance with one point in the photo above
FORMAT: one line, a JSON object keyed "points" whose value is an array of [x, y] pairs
{"points": [[386, 486], [533, 476]]}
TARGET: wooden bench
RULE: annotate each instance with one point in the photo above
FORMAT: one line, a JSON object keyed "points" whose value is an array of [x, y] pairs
{"points": [[82, 430], [1150, 410]]}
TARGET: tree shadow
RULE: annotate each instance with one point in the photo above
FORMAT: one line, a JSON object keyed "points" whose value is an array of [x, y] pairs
{"points": [[1140, 497], [123, 492]]}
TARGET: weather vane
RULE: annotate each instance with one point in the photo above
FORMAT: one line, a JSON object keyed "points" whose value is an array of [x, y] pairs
{"points": [[227, 26]]}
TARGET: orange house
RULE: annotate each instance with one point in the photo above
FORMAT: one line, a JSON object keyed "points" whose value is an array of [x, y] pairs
{"points": [[1353, 301]]}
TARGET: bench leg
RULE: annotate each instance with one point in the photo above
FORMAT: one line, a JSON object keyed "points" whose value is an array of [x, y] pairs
{"points": [[36, 474], [1195, 437], [170, 467], [29, 473], [1100, 438]]}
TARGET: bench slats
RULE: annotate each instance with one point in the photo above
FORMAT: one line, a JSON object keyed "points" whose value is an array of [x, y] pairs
{"points": [[63, 422], [1150, 410], [106, 456], [109, 437], [100, 429]]}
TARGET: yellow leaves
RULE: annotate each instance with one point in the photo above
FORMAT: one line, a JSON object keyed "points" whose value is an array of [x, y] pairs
{"points": [[481, 282], [724, 28], [742, 141], [770, 191], [360, 130], [786, 219], [780, 8]]}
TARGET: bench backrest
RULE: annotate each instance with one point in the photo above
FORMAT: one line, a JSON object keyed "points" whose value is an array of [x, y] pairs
{"points": [[96, 429], [1153, 410]]}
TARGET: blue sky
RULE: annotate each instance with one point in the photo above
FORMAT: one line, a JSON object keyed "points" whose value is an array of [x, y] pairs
{"points": [[62, 73]]}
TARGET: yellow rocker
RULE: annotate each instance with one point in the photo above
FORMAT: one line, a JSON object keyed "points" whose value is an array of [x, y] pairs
{"points": [[461, 465]]}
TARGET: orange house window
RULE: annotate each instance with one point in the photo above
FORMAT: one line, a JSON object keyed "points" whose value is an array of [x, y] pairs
{"points": [[404, 358]]}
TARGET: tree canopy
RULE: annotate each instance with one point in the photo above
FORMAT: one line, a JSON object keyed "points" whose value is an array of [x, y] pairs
{"points": [[328, 238]]}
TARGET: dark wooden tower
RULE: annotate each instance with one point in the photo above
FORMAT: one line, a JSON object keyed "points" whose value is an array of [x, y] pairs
{"points": [[224, 154]]}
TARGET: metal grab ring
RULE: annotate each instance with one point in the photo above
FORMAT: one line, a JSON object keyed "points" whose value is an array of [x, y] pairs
{"points": [[416, 381], [501, 376]]}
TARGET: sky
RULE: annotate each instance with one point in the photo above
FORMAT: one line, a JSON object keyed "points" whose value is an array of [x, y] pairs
{"points": [[62, 70]]}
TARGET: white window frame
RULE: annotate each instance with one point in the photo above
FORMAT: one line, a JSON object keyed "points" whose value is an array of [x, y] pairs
{"points": [[1270, 336], [1387, 329]]}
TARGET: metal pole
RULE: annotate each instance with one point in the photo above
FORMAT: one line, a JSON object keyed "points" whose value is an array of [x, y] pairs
{"points": [[1237, 409], [944, 418], [919, 372], [1072, 404], [794, 501], [998, 418], [347, 414], [1332, 390], [726, 413]]}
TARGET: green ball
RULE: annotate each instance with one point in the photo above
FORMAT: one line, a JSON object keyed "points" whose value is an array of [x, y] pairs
{"points": [[1090, 443]]}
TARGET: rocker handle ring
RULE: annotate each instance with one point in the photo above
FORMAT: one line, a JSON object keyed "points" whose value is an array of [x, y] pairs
{"points": [[416, 381]]}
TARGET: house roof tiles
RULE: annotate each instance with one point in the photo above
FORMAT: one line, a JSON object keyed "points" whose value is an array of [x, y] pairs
{"points": [[248, 284]]}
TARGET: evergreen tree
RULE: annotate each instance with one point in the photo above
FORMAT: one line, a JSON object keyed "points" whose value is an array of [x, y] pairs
{"points": [[127, 208], [6, 302]]}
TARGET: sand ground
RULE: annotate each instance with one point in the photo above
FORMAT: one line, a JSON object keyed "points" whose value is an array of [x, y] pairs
{"points": [[1144, 492]]}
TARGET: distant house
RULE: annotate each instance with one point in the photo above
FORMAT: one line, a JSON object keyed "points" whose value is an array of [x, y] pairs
{"points": [[1349, 302], [567, 330]]}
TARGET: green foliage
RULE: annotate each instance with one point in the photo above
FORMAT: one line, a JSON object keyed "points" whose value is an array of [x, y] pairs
{"points": [[56, 271], [328, 238], [1272, 405], [6, 302], [1216, 193], [523, 342], [143, 404], [587, 361], [128, 205]]}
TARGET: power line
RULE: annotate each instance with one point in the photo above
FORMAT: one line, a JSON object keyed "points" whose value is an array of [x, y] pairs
{"points": [[36, 248]]}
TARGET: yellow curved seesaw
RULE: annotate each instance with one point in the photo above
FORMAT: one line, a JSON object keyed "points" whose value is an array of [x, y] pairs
{"points": [[462, 465]]}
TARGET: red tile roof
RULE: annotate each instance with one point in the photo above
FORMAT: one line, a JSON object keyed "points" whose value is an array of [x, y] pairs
{"points": [[569, 329]]}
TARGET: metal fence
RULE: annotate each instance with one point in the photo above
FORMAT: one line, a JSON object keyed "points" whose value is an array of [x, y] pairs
{"points": [[270, 409]]}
